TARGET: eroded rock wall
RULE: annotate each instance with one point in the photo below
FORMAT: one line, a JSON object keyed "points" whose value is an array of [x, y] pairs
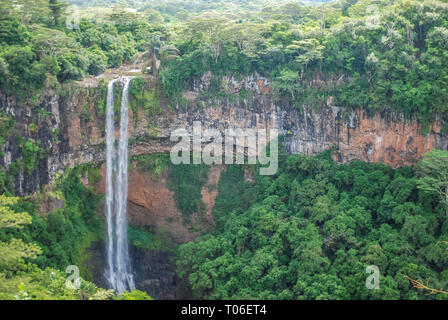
{"points": [[70, 127], [151, 204]]}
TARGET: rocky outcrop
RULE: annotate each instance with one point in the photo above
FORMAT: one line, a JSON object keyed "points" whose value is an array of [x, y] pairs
{"points": [[156, 275], [153, 269], [76, 117]]}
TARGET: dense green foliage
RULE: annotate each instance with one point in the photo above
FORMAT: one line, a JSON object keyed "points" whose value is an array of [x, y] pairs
{"points": [[141, 237], [187, 182], [35, 44], [134, 295], [164, 11], [312, 53], [144, 96], [311, 231], [233, 193], [65, 232], [154, 163], [433, 170], [6, 126], [36, 249], [31, 153]]}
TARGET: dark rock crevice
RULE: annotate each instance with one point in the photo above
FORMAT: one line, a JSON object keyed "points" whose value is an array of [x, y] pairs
{"points": [[154, 272]]}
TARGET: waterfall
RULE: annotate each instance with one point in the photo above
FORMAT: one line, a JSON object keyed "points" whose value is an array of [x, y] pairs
{"points": [[110, 144], [118, 271]]}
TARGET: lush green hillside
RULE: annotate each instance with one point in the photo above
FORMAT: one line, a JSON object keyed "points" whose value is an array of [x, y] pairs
{"points": [[35, 250], [396, 62]]}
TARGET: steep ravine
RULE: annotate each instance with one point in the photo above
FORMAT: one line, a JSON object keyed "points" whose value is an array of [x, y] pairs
{"points": [[69, 125]]}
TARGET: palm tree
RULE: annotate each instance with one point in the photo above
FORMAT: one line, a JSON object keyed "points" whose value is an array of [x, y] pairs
{"points": [[154, 51], [160, 53]]}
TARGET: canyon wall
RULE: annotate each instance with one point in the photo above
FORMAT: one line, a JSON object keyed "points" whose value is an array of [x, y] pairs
{"points": [[70, 126]]}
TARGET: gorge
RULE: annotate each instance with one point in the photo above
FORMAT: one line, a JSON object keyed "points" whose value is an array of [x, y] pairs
{"points": [[382, 137], [91, 98]]}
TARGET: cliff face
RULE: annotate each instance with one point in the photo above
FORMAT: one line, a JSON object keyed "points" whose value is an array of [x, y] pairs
{"points": [[151, 204], [70, 127]]}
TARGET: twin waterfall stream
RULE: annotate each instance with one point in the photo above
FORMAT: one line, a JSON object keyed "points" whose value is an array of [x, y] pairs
{"points": [[118, 271]]}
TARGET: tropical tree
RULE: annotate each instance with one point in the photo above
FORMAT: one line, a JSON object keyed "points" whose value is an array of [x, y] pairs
{"points": [[433, 171], [57, 8], [14, 250]]}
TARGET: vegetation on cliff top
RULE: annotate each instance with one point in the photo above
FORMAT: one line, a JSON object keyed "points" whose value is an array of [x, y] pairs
{"points": [[313, 53], [35, 43], [388, 57]]}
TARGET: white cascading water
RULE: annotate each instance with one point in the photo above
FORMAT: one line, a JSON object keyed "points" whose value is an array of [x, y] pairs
{"points": [[118, 271], [110, 146]]}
